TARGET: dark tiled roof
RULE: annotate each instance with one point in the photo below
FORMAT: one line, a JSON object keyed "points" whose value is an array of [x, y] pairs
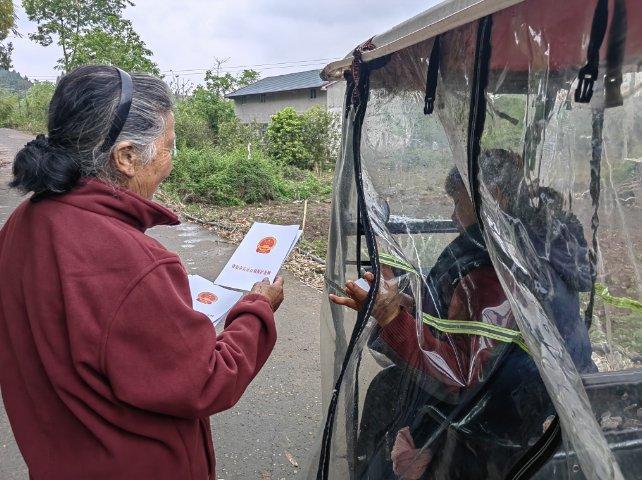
{"points": [[282, 83]]}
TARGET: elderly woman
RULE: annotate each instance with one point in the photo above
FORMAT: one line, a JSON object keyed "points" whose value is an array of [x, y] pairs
{"points": [[106, 370]]}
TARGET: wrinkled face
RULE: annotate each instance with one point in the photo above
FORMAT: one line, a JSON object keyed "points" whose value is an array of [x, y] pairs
{"points": [[148, 177], [464, 213]]}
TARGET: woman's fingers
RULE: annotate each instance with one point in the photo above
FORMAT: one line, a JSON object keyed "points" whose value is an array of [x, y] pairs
{"points": [[273, 292], [346, 302]]}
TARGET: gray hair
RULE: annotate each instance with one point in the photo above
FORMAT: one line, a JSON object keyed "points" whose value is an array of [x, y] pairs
{"points": [[80, 116]]}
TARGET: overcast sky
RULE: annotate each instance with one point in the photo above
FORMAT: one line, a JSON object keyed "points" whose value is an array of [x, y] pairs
{"points": [[187, 35]]}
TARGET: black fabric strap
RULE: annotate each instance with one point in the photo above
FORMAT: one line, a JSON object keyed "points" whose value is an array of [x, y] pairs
{"points": [[588, 73], [615, 56], [477, 113], [538, 454], [122, 111], [432, 77]]}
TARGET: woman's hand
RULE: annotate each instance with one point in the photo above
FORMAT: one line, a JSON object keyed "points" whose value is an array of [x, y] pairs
{"points": [[272, 291], [388, 301]]}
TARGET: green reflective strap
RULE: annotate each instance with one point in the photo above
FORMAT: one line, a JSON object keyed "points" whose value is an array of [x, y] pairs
{"points": [[495, 332], [396, 262], [620, 302]]}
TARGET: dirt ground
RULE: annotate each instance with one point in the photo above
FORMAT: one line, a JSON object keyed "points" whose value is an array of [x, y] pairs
{"points": [[317, 223], [307, 263]]}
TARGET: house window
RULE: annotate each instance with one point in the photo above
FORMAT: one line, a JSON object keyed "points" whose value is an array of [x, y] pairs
{"points": [[313, 93], [262, 98]]}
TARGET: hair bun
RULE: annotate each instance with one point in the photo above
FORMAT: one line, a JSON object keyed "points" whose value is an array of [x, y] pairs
{"points": [[40, 143], [42, 169]]}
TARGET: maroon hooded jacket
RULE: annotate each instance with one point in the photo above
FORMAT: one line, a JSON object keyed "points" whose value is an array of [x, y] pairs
{"points": [[106, 370]]}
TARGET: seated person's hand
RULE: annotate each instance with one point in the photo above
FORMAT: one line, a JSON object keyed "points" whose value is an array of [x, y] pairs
{"points": [[387, 304], [408, 461], [272, 291]]}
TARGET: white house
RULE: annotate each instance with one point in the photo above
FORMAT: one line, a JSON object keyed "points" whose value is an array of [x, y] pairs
{"points": [[300, 90]]}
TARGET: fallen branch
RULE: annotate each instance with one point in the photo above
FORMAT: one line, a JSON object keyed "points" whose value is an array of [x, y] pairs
{"points": [[208, 222], [192, 218]]}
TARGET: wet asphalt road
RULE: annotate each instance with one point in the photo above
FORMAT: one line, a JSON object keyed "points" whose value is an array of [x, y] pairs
{"points": [[281, 410]]}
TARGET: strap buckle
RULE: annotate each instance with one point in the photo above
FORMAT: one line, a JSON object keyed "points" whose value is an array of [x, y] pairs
{"points": [[586, 79]]}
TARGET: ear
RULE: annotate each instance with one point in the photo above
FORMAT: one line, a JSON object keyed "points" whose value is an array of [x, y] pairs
{"points": [[125, 159]]}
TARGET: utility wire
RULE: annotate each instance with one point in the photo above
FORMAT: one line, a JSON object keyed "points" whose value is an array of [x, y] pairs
{"points": [[285, 64], [235, 69]]}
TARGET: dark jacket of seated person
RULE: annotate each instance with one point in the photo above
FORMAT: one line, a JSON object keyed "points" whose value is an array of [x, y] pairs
{"points": [[463, 285]]}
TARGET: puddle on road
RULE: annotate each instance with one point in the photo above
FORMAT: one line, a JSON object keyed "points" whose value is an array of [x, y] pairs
{"points": [[187, 230], [192, 235]]}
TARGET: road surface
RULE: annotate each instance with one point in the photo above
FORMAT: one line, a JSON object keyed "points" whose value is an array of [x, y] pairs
{"points": [[280, 411]]}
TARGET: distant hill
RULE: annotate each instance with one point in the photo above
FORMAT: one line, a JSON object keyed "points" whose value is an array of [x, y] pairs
{"points": [[13, 81]]}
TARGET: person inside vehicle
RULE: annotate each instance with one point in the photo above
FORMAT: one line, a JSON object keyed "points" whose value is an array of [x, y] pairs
{"points": [[463, 285]]}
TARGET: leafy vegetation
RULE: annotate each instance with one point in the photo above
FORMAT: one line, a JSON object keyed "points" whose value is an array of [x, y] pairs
{"points": [[307, 141], [27, 111], [89, 32], [125, 50], [231, 177], [224, 162], [220, 161], [204, 118], [7, 20], [285, 135]]}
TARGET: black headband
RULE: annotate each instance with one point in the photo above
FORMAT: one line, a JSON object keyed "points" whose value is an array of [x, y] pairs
{"points": [[126, 94]]}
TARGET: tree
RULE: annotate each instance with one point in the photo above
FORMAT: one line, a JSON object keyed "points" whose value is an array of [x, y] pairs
{"points": [[7, 22], [322, 136], [89, 31], [286, 139], [125, 50], [221, 83], [308, 141]]}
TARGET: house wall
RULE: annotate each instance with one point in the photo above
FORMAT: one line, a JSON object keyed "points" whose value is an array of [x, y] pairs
{"points": [[253, 110], [336, 92]]}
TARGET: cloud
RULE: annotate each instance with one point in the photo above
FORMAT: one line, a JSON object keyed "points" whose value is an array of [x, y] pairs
{"points": [[261, 33]]}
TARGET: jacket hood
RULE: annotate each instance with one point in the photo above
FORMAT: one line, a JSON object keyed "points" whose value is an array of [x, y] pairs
{"points": [[105, 199], [558, 238]]}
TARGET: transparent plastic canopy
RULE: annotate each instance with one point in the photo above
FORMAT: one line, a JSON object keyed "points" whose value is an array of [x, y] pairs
{"points": [[502, 225]]}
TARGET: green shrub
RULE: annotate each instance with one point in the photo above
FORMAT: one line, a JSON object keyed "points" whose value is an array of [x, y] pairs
{"points": [[312, 186], [225, 177], [203, 119], [254, 177], [308, 141], [192, 128], [210, 106], [302, 184], [8, 103], [321, 136], [286, 139], [234, 134], [29, 112]]}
